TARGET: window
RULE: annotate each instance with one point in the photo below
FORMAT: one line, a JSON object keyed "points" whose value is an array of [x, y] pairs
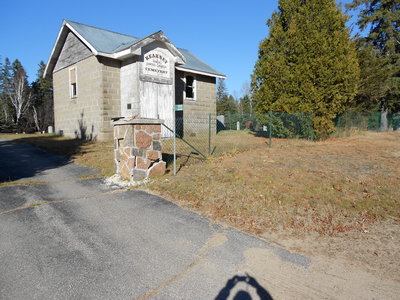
{"points": [[72, 83], [190, 87]]}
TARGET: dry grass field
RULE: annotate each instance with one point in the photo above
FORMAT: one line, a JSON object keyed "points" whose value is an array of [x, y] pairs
{"points": [[339, 197], [329, 187]]}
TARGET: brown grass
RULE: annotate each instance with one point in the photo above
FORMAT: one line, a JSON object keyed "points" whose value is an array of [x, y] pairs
{"points": [[20, 183], [334, 186], [97, 155], [339, 197], [229, 141]]}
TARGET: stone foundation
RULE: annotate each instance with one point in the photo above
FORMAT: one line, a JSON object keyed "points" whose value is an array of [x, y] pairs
{"points": [[137, 150]]}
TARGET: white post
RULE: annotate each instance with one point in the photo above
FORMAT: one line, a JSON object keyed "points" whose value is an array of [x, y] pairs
{"points": [[174, 118], [237, 125]]}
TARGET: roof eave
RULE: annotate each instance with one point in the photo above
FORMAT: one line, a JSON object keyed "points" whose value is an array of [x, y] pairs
{"points": [[133, 50], [201, 72], [62, 35], [158, 36]]}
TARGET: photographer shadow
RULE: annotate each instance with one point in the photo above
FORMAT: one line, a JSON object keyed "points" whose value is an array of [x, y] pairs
{"points": [[249, 282]]}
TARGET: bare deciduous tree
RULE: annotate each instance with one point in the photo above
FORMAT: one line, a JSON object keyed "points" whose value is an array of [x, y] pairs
{"points": [[35, 118], [19, 96]]}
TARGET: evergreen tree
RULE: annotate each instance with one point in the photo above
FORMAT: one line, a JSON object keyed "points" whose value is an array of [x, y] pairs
{"points": [[227, 105], [221, 89], [246, 105], [42, 100], [246, 102], [231, 105], [2, 103], [307, 63], [222, 97], [380, 53], [373, 73], [5, 86]]}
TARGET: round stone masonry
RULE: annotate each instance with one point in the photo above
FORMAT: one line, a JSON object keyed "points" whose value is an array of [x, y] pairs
{"points": [[138, 148]]}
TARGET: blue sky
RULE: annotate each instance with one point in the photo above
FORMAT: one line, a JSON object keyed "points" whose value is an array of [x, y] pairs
{"points": [[225, 34]]}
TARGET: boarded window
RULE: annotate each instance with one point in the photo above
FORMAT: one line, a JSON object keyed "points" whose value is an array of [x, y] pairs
{"points": [[190, 86], [72, 83]]}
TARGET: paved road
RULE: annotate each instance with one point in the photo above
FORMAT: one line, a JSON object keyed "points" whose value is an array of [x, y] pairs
{"points": [[69, 238]]}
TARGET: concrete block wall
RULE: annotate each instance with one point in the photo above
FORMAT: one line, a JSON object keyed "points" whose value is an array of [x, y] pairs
{"points": [[88, 115], [110, 101], [98, 100], [80, 116], [196, 112]]}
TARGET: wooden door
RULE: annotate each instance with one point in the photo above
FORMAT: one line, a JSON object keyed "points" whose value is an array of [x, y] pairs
{"points": [[156, 101]]}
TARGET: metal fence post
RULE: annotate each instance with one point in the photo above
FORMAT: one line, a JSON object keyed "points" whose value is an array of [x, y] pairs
{"points": [[270, 128], [311, 118], [209, 134]]}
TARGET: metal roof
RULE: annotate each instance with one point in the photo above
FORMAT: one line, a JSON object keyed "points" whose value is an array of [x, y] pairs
{"points": [[105, 41], [196, 64]]}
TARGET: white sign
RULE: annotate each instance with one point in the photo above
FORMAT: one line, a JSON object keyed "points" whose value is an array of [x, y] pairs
{"points": [[156, 64]]}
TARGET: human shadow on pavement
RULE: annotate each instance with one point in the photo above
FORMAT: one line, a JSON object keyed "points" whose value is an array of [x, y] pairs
{"points": [[243, 294]]}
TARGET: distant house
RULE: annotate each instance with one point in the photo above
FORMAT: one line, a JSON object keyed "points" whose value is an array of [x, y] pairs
{"points": [[100, 74]]}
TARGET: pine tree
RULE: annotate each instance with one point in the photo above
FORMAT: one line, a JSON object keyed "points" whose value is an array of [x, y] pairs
{"points": [[5, 85], [42, 100], [373, 73], [222, 97], [2, 103], [246, 102], [227, 105], [246, 105], [221, 89], [307, 63], [380, 53]]}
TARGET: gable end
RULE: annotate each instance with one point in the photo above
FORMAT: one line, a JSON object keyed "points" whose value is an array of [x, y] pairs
{"points": [[72, 51]]}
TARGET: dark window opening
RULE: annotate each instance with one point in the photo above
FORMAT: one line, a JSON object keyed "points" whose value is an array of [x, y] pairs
{"points": [[189, 87], [129, 106], [72, 82], [73, 90]]}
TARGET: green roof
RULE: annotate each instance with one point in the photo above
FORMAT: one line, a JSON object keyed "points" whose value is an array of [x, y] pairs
{"points": [[109, 42]]}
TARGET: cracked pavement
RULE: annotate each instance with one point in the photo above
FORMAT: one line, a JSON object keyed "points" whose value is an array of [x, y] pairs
{"points": [[70, 238]]}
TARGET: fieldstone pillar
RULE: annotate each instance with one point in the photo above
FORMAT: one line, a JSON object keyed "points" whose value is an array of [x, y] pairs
{"points": [[137, 148]]}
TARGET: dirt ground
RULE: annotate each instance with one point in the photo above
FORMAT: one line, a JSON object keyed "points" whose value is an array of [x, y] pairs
{"points": [[338, 199]]}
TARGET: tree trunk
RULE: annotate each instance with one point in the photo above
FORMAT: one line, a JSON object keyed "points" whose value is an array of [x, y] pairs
{"points": [[35, 118], [5, 114], [384, 120]]}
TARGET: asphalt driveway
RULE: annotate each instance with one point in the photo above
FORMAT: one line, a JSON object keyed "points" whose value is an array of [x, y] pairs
{"points": [[69, 238]]}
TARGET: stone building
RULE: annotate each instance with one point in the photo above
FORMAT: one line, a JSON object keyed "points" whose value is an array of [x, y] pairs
{"points": [[99, 75]]}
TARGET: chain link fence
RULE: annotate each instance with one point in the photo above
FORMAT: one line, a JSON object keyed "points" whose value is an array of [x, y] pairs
{"points": [[201, 136], [351, 121]]}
